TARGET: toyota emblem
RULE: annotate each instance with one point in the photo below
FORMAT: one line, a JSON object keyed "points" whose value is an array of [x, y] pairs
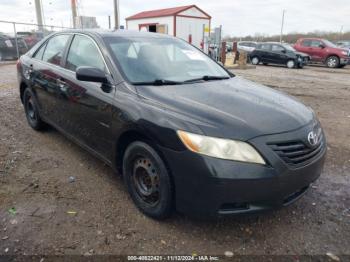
{"points": [[312, 137]]}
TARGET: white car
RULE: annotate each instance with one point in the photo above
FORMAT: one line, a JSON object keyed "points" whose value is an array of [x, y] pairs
{"points": [[247, 46]]}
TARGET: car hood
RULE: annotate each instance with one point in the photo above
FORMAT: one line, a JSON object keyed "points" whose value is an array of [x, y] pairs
{"points": [[301, 53], [235, 108]]}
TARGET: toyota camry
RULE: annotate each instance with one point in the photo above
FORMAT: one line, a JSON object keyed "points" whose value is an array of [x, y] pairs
{"points": [[185, 133]]}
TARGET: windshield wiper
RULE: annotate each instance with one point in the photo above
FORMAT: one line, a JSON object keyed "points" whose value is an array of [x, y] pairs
{"points": [[158, 82], [207, 78]]}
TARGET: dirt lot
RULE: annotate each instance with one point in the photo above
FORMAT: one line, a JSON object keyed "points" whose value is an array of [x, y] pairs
{"points": [[34, 179]]}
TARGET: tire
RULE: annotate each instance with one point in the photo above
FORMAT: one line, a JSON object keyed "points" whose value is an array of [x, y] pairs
{"points": [[255, 60], [290, 64], [148, 180], [332, 62], [31, 110]]}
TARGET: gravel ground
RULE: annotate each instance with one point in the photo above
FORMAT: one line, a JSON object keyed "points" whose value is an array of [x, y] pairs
{"points": [[94, 214]]}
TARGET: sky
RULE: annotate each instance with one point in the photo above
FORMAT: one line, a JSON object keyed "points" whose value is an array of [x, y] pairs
{"points": [[238, 17]]}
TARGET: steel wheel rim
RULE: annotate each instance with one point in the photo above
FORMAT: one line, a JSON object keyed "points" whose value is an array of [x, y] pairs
{"points": [[255, 61], [332, 62], [146, 182], [290, 64]]}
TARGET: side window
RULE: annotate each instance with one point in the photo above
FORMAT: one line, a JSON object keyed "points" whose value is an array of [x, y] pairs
{"points": [[55, 48], [40, 52], [277, 48], [265, 47], [84, 52], [315, 43], [306, 43]]}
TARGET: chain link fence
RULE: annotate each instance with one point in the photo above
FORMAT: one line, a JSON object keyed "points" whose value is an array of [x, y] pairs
{"points": [[17, 38]]}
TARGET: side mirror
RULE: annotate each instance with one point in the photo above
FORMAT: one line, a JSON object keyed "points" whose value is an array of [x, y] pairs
{"points": [[91, 74], [284, 51], [321, 46]]}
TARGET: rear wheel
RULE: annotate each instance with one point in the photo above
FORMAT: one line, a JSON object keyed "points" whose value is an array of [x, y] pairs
{"points": [[31, 110], [148, 180], [291, 64], [255, 60], [332, 62]]}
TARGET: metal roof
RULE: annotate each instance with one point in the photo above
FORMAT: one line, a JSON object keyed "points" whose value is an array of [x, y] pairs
{"points": [[164, 12]]}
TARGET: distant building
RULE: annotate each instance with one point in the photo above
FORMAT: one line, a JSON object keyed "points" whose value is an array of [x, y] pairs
{"points": [[187, 22], [85, 22]]}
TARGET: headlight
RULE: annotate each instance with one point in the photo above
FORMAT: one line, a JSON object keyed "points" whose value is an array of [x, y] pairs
{"points": [[344, 52], [220, 148]]}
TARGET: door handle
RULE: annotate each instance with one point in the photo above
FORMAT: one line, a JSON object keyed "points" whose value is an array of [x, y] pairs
{"points": [[61, 84]]}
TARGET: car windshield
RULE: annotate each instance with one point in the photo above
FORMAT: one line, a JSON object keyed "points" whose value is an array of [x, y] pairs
{"points": [[162, 60], [289, 47], [329, 43]]}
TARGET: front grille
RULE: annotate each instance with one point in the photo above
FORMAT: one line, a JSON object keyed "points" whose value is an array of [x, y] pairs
{"points": [[297, 153]]}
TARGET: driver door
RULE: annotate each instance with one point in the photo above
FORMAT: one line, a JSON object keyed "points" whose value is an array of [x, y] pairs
{"points": [[87, 108]]}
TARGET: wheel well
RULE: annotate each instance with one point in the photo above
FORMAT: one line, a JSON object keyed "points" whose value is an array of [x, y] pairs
{"points": [[22, 87], [124, 141], [332, 55]]}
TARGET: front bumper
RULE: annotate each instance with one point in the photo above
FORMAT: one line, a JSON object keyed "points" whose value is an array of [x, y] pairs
{"points": [[207, 186], [344, 61]]}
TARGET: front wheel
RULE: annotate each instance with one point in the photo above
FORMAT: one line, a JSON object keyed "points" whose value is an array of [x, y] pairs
{"points": [[291, 64], [255, 60], [332, 62], [148, 180]]}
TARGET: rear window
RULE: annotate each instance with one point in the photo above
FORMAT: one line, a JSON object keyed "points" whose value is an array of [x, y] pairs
{"points": [[306, 43], [55, 48], [264, 46]]}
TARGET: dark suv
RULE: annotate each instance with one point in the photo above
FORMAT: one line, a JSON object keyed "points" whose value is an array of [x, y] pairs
{"points": [[8, 50], [277, 53]]}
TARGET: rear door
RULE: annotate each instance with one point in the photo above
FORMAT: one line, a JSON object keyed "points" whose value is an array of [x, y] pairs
{"points": [[87, 108], [46, 72], [278, 55], [265, 53]]}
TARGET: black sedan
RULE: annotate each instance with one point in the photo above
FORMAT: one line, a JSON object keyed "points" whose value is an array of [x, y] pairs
{"points": [[186, 134], [280, 54]]}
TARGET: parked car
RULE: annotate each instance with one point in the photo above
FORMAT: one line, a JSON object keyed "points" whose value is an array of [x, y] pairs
{"points": [[246, 46], [344, 44], [323, 51], [31, 38], [184, 132], [8, 50], [278, 53]]}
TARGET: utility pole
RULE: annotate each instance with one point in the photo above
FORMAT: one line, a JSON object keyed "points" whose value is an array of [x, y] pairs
{"points": [[39, 15], [341, 31], [116, 14], [282, 25], [74, 12]]}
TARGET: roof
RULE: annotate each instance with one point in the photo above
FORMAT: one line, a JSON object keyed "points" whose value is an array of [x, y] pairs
{"points": [[164, 12], [115, 33]]}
